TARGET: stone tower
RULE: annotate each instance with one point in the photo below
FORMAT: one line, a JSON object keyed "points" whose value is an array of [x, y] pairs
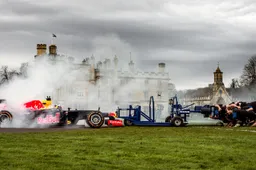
{"points": [[220, 94], [218, 79]]}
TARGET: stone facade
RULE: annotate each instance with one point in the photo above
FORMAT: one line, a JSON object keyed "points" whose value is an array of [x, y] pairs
{"points": [[107, 85]]}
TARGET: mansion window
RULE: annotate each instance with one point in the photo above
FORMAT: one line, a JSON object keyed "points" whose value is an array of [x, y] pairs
{"points": [[129, 80], [146, 95], [59, 91], [80, 94], [159, 83], [71, 91], [160, 107], [122, 82], [146, 82], [129, 95], [146, 109], [159, 94]]}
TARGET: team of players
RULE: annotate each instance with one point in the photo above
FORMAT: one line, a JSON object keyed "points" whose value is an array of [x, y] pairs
{"points": [[237, 113]]}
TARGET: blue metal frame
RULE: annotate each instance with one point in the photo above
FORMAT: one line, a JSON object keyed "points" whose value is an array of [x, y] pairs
{"points": [[176, 110], [135, 118], [179, 110]]}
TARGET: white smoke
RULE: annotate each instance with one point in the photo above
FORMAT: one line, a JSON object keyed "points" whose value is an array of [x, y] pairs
{"points": [[43, 78], [129, 87], [62, 80]]}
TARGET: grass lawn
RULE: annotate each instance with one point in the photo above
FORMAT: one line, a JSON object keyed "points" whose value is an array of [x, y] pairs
{"points": [[136, 148]]}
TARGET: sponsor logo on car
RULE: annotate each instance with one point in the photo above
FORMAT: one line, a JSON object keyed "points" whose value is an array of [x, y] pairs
{"points": [[49, 119]]}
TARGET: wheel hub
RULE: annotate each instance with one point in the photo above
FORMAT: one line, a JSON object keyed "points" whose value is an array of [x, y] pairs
{"points": [[177, 122], [95, 119], [4, 119]]}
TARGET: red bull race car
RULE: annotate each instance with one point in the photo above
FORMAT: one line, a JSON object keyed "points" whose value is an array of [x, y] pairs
{"points": [[42, 113]]}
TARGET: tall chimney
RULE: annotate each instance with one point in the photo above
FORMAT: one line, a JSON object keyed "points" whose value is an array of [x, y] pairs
{"points": [[108, 63], [99, 65], [161, 67], [131, 65], [115, 61], [41, 49], [53, 49], [93, 61]]}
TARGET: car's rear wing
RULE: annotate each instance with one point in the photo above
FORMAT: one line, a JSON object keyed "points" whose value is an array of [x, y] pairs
{"points": [[2, 101]]}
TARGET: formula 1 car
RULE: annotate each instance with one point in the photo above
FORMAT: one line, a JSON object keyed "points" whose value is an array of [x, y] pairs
{"points": [[43, 113]]}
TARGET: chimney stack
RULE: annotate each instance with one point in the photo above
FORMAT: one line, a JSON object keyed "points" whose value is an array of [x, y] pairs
{"points": [[115, 61], [99, 65], [53, 49], [41, 49], [161, 67]]}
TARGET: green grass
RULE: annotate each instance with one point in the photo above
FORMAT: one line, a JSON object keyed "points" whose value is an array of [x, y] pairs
{"points": [[136, 148]]}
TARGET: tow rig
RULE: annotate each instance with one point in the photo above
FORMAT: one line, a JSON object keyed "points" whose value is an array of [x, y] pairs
{"points": [[177, 117]]}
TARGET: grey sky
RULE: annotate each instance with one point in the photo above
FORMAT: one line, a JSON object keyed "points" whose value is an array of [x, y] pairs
{"points": [[190, 36]]}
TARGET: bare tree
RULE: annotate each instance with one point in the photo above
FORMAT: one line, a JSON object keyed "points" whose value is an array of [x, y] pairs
{"points": [[23, 70], [234, 84], [248, 77], [6, 74], [234, 87]]}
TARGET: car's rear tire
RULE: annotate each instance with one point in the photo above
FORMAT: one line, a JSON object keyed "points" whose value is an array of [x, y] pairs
{"points": [[5, 117], [95, 119]]}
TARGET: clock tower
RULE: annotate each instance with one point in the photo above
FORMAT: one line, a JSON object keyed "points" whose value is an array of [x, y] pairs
{"points": [[218, 80]]}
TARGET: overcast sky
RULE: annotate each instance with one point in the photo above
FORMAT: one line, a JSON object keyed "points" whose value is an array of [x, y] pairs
{"points": [[191, 37]]}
